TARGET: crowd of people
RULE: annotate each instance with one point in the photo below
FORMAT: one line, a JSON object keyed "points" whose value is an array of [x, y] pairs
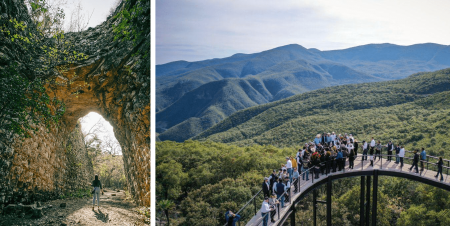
{"points": [[328, 153]]}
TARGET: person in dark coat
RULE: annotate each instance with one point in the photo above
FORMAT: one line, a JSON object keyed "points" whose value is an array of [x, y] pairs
{"points": [[415, 162], [266, 187], [351, 159], [280, 190], [356, 145], [272, 179], [440, 163]]}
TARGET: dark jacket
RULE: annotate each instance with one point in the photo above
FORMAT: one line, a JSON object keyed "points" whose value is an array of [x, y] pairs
{"points": [[265, 187], [416, 158], [280, 189], [440, 164], [97, 184]]}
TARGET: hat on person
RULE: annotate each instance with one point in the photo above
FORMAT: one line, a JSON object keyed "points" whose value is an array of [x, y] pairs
{"points": [[266, 178], [287, 157]]}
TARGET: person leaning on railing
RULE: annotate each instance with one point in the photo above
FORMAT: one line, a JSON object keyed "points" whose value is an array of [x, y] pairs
{"points": [[231, 218], [273, 202], [265, 210]]}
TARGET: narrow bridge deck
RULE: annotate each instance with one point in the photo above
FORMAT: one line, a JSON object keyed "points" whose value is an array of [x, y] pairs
{"points": [[381, 165]]}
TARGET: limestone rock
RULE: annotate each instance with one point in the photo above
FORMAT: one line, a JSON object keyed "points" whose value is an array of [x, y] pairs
{"points": [[112, 82]]}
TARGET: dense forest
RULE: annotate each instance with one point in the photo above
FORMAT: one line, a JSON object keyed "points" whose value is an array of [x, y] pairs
{"points": [[202, 179], [413, 111]]}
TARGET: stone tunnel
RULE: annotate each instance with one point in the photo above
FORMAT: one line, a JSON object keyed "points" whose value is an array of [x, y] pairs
{"points": [[112, 82]]}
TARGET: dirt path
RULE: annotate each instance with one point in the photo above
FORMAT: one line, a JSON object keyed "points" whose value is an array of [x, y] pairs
{"points": [[114, 210]]}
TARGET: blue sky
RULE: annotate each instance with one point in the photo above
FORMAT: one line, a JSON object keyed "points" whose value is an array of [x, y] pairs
{"points": [[195, 30]]}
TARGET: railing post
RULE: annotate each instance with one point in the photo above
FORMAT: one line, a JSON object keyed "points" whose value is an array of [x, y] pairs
{"points": [[381, 157], [290, 195], [361, 202], [362, 162], [293, 216], [315, 207], [368, 201], [329, 201], [278, 211], [375, 197], [254, 204], [312, 175]]}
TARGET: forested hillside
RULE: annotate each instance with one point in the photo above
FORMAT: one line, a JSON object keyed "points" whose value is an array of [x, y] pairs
{"points": [[194, 96], [414, 111]]}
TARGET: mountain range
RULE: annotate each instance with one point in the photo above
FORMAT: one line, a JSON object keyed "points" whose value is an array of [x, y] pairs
{"points": [[194, 96], [414, 111]]}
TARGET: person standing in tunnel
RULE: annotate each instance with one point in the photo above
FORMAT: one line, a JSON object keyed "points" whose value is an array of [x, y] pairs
{"points": [[96, 192]]}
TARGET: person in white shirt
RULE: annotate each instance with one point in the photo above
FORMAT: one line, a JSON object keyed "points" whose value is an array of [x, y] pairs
{"points": [[401, 154], [372, 145], [289, 166], [365, 146], [265, 210], [333, 138]]}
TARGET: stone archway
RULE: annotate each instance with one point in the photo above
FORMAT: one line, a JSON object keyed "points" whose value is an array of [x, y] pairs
{"points": [[110, 83]]}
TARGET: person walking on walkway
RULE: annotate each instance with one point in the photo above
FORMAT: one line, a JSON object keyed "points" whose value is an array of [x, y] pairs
{"points": [[423, 158], [401, 155], [440, 163], [97, 188], [415, 162], [265, 210]]}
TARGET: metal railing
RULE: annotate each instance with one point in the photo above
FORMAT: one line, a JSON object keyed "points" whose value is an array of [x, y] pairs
{"points": [[331, 167]]}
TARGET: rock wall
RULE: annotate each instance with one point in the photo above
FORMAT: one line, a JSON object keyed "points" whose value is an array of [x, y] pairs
{"points": [[43, 166], [114, 82]]}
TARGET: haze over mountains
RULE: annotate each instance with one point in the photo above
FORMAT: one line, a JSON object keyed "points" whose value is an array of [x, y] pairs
{"points": [[193, 96]]}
